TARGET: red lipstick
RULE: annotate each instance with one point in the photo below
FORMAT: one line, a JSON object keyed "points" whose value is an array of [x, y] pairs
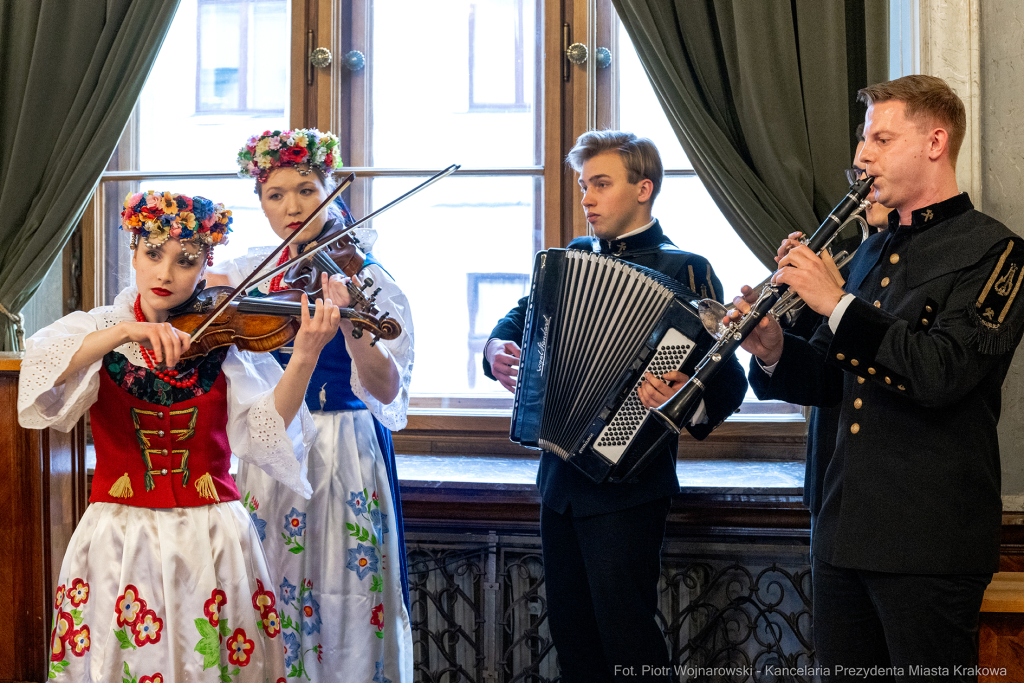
{"points": [[161, 292], [295, 225]]}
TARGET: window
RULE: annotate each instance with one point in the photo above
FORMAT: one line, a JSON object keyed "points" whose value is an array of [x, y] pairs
{"points": [[496, 65], [238, 41], [462, 250]]}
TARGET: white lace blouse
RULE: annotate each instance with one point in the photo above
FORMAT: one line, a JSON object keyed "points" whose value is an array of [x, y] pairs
{"points": [[391, 299], [255, 430]]}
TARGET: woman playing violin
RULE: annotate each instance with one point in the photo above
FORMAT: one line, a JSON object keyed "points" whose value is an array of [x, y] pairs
{"points": [[339, 557], [164, 577]]}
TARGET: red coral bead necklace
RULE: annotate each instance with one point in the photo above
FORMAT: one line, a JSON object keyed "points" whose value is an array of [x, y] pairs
{"points": [[150, 357]]}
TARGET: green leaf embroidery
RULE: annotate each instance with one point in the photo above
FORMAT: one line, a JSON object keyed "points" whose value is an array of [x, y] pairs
{"points": [[209, 643], [376, 585], [77, 616], [350, 526], [296, 550], [122, 638], [380, 634], [373, 539], [225, 630], [127, 672]]}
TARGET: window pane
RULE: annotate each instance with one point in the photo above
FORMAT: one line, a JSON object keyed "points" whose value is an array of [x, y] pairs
{"points": [[639, 109], [268, 63], [462, 251], [421, 87], [220, 46], [172, 135]]}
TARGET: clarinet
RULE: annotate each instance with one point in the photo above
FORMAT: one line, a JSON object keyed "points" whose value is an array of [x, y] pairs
{"points": [[675, 412]]}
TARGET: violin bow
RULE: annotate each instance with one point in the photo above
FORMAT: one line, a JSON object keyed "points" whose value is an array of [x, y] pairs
{"points": [[252, 277], [320, 247]]}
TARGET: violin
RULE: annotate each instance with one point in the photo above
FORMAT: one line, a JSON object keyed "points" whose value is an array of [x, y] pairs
{"points": [[343, 256], [257, 324]]}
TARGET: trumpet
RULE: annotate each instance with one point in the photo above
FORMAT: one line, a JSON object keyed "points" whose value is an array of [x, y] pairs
{"points": [[711, 312], [674, 413]]}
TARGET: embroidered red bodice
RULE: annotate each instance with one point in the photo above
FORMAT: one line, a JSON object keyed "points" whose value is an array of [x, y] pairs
{"points": [[156, 456]]}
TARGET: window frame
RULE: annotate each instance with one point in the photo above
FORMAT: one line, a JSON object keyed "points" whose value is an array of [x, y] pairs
{"points": [[567, 111]]}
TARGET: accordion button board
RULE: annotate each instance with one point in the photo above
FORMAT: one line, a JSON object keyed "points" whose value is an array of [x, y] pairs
{"points": [[673, 350]]}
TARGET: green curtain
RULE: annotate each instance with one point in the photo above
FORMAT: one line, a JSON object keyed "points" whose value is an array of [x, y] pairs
{"points": [[70, 73], [761, 95]]}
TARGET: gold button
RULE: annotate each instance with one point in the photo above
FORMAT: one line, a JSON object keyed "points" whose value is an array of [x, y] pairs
{"points": [[854, 362], [841, 356], [163, 452], [924, 321], [928, 309], [858, 403], [888, 381], [894, 259], [163, 471], [160, 415], [885, 282], [854, 428], [860, 380], [871, 371], [878, 304], [160, 433]]}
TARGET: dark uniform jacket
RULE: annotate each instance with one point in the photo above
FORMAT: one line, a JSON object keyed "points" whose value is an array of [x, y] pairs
{"points": [[917, 364], [562, 486]]}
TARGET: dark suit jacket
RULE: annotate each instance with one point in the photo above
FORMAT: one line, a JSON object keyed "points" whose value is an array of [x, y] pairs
{"points": [[561, 485], [917, 364]]}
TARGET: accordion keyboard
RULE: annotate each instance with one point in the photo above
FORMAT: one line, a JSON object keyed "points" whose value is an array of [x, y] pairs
{"points": [[615, 438]]}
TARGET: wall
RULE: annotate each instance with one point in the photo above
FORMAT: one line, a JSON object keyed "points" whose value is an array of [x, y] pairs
{"points": [[1002, 157]]}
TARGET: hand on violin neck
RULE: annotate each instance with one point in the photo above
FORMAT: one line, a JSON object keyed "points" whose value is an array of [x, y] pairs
{"points": [[315, 331], [335, 288]]}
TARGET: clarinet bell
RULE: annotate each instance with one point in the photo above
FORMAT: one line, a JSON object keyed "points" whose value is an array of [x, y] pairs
{"points": [[711, 313]]}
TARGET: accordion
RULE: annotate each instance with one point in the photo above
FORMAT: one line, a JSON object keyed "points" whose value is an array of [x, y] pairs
{"points": [[594, 325]]}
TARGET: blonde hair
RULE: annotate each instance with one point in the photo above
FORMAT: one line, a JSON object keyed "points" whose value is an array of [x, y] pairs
{"points": [[928, 99], [639, 155]]}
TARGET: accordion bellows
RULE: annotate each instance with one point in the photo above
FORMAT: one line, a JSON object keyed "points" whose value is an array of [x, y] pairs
{"points": [[594, 325]]}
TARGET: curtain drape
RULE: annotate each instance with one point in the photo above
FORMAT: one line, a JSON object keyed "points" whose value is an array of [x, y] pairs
{"points": [[70, 73], [762, 97]]}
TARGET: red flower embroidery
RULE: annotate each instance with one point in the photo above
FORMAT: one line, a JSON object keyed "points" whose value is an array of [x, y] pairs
{"points": [[271, 623], [129, 605], [377, 617], [262, 600], [240, 648], [59, 599], [80, 641], [63, 627], [155, 678], [79, 592], [211, 608], [147, 628]]}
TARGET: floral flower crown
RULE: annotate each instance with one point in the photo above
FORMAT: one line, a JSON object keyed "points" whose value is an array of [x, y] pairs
{"points": [[303, 148], [158, 216]]}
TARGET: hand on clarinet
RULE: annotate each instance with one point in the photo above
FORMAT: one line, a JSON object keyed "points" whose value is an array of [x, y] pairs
{"points": [[504, 357], [807, 275], [791, 242], [654, 392], [765, 341]]}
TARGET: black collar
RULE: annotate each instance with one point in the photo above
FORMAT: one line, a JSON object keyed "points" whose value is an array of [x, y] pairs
{"points": [[650, 238], [934, 214]]}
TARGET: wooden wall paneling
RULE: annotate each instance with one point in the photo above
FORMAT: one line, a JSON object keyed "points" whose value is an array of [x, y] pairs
{"points": [[42, 497], [24, 630]]}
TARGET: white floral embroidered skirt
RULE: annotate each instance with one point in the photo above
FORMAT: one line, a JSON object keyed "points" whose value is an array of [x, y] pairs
{"points": [[335, 559], [165, 596]]}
